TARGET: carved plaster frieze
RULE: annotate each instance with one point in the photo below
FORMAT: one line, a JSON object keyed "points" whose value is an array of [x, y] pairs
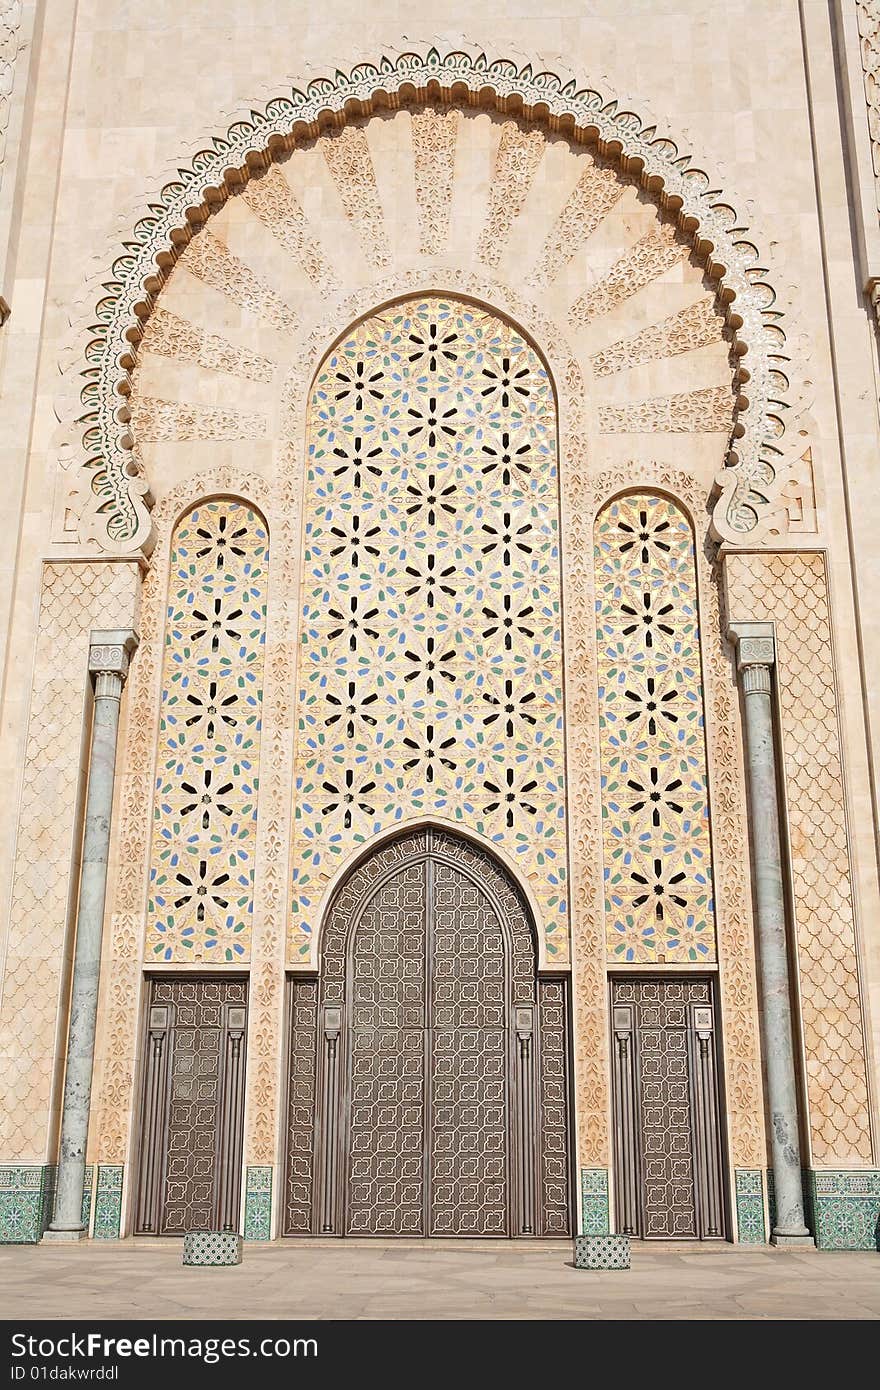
{"points": [[114, 498]]}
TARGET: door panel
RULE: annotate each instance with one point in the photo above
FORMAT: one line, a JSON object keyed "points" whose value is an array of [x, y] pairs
{"points": [[469, 1059], [429, 1058], [191, 1134], [667, 1132], [386, 1064]]}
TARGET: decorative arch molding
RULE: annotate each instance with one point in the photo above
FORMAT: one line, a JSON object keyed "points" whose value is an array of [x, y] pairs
{"points": [[116, 500], [502, 863]]}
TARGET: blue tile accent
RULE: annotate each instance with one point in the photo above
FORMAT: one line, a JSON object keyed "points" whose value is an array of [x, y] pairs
{"points": [[594, 1201], [258, 1204]]}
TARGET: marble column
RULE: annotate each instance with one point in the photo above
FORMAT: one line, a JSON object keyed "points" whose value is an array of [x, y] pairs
{"points": [[755, 657], [109, 654]]}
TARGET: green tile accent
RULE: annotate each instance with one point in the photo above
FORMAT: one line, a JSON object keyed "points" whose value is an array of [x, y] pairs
{"points": [[27, 1194], [25, 1197], [750, 1206], [108, 1201], [258, 1204], [88, 1183], [847, 1208], [594, 1201]]}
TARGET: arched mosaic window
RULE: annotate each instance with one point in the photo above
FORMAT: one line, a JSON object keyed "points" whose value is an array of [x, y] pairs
{"points": [[655, 806], [431, 662], [207, 775]]}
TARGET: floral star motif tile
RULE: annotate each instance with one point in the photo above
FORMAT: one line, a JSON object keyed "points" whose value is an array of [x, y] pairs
{"points": [[655, 808], [430, 677]]}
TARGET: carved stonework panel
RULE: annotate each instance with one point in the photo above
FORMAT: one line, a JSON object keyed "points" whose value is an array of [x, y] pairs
{"points": [[659, 894], [431, 653], [111, 495], [791, 591], [869, 42], [74, 600], [208, 763], [10, 42]]}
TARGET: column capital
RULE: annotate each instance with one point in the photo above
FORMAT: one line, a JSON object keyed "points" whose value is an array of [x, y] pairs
{"points": [[755, 644], [110, 650]]}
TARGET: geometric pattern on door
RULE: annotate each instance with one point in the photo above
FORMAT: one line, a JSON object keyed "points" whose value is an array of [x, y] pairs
{"points": [[667, 1120], [193, 1106], [428, 1090]]}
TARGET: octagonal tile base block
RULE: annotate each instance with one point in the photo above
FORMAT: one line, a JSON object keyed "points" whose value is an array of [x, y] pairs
{"points": [[601, 1252], [212, 1248]]}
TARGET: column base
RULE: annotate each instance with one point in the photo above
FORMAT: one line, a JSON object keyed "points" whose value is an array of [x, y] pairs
{"points": [[803, 1242], [64, 1236]]}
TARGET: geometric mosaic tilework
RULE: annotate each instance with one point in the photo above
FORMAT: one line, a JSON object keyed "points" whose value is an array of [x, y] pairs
{"points": [[26, 1192], [207, 775], [431, 656], [258, 1203], [750, 1206], [212, 1248], [601, 1252], [88, 1179], [846, 1207], [655, 807], [595, 1218], [108, 1202], [27, 1195]]}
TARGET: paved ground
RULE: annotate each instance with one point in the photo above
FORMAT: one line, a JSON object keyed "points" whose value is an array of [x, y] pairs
{"points": [[361, 1279]]}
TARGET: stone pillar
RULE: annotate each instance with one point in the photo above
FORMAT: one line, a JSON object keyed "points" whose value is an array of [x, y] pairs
{"points": [[755, 655], [109, 654]]}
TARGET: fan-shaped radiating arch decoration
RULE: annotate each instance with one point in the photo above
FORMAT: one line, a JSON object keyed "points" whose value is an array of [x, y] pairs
{"points": [[115, 507], [208, 764], [655, 799], [431, 650]]}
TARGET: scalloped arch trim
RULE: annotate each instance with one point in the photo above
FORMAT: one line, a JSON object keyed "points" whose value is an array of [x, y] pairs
{"points": [[116, 511]]}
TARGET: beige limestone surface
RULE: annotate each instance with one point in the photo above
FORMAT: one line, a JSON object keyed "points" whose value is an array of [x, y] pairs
{"points": [[436, 1280], [120, 94]]}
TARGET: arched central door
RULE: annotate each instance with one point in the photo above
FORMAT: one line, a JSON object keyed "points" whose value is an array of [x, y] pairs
{"points": [[439, 1087]]}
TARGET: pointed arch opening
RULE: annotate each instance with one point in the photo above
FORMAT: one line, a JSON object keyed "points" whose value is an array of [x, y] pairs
{"points": [[428, 1088], [431, 640]]}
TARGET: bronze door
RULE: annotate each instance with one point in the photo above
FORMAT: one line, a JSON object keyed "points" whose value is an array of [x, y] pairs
{"points": [[193, 1106], [428, 1090], [668, 1164]]}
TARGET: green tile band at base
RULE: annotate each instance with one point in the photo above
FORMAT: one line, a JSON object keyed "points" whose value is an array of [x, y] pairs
{"points": [[258, 1204], [27, 1192], [108, 1201], [750, 1222], [846, 1208], [595, 1217]]}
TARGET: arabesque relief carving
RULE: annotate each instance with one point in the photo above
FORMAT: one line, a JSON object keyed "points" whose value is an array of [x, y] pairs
{"points": [[111, 496]]}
